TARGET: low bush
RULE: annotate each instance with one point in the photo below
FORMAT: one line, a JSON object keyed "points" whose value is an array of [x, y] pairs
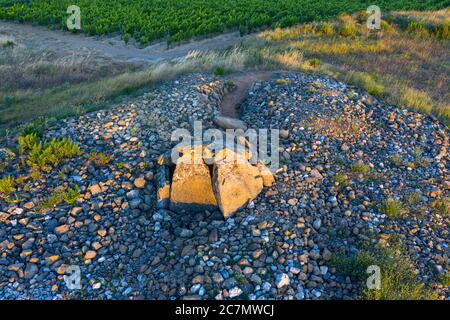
{"points": [[99, 158], [6, 186], [52, 153], [327, 29], [27, 142], [442, 206], [392, 208], [398, 275], [360, 167], [219, 71], [58, 196]]}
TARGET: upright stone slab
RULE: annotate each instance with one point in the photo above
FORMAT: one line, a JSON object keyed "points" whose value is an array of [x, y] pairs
{"points": [[191, 188], [235, 181]]}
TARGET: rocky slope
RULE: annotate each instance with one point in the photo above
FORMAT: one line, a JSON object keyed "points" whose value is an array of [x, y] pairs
{"points": [[279, 247]]}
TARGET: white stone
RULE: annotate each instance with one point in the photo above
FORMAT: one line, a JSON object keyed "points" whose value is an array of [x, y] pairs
{"points": [[282, 280], [234, 292]]}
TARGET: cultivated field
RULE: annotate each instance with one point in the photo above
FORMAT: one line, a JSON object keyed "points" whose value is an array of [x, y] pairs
{"points": [[176, 20]]}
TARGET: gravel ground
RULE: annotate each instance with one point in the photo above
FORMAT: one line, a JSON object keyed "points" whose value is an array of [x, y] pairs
{"points": [[279, 247]]}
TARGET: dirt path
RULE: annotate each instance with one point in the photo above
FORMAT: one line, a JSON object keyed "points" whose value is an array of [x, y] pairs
{"points": [[232, 100], [43, 38]]}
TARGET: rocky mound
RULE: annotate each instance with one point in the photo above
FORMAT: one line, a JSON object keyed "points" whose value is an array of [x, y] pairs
{"points": [[343, 155]]}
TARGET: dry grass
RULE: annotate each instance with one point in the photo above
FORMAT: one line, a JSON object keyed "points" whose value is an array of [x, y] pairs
{"points": [[36, 82], [25, 68], [77, 98], [406, 68], [433, 17]]}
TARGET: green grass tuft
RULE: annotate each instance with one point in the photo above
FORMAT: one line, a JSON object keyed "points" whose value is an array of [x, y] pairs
{"points": [[6, 186], [398, 276], [445, 280], [36, 127], [327, 29], [27, 142], [367, 81], [341, 180], [99, 158], [314, 63], [58, 196], [52, 153], [219, 71], [8, 44], [392, 208], [72, 195], [360, 167], [442, 206]]}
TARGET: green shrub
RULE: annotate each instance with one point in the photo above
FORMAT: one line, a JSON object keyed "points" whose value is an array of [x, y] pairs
{"points": [[419, 160], [219, 71], [58, 196], [397, 160], [314, 62], [37, 127], [414, 199], [143, 40], [348, 31], [341, 179], [442, 206], [398, 276], [52, 153], [445, 280], [27, 142], [6, 186], [362, 16], [385, 25], [126, 38], [418, 29], [347, 26], [442, 31], [283, 82], [8, 44], [72, 195], [55, 198], [8, 101], [366, 81], [392, 208], [327, 29], [99, 158], [360, 167]]}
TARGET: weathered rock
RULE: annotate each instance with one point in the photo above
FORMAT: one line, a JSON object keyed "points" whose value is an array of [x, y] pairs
{"points": [[284, 134], [282, 280], [140, 182], [191, 187], [90, 254], [229, 123], [235, 292], [62, 229], [95, 189], [31, 270], [235, 181], [266, 174]]}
